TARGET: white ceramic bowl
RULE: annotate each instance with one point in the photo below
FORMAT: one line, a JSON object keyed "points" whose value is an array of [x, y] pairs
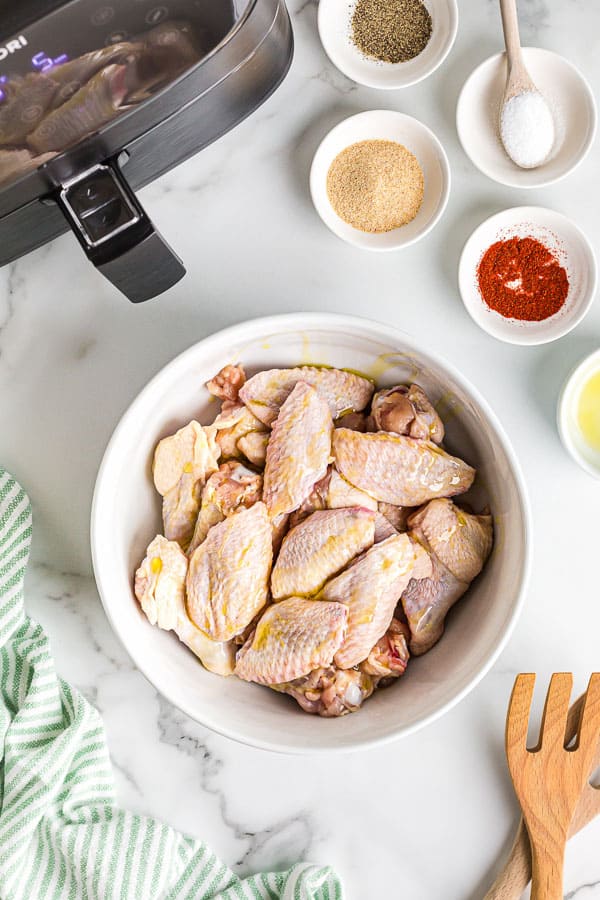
{"points": [[335, 30], [384, 124], [569, 95], [568, 404], [560, 235], [126, 516]]}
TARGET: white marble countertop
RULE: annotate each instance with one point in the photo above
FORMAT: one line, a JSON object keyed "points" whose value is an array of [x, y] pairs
{"points": [[424, 818]]}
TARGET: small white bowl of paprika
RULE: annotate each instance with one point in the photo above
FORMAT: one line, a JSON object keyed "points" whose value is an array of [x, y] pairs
{"points": [[527, 275]]}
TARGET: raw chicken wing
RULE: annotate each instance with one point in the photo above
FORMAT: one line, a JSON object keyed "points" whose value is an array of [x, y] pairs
{"points": [[371, 588], [330, 692], [227, 489], [182, 462], [426, 602], [253, 446], [319, 547], [228, 575], [299, 450], [458, 544], [291, 639], [407, 410], [343, 391], [341, 493], [332, 492], [236, 424], [227, 383], [160, 589], [459, 539], [389, 657], [397, 469]]}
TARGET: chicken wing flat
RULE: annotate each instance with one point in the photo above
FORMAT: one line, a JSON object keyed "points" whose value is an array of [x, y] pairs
{"points": [[265, 393], [458, 544], [299, 450], [182, 462], [461, 541], [291, 639], [160, 590], [318, 548], [160, 583], [228, 575], [371, 588], [426, 602], [191, 450], [397, 469]]}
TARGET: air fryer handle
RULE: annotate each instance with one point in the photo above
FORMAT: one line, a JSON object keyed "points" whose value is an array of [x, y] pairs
{"points": [[116, 233]]}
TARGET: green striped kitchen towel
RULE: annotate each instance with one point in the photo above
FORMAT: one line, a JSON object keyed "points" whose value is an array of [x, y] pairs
{"points": [[62, 836]]}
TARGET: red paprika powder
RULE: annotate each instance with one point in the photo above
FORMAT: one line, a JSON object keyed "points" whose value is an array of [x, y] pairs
{"points": [[521, 279]]}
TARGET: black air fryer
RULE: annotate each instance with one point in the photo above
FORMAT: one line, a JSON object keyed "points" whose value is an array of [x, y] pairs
{"points": [[99, 97]]}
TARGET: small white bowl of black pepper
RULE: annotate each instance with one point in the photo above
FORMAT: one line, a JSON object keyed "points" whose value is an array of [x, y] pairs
{"points": [[387, 44]]}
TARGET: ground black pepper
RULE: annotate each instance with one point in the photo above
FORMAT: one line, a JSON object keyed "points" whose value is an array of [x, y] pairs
{"points": [[391, 30]]}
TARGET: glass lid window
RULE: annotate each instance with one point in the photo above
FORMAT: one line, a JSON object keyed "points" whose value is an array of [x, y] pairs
{"points": [[71, 73]]}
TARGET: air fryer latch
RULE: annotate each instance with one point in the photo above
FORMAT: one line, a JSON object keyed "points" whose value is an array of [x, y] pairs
{"points": [[117, 235]]}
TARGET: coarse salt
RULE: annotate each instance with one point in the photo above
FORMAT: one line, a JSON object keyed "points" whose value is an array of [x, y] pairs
{"points": [[527, 129]]}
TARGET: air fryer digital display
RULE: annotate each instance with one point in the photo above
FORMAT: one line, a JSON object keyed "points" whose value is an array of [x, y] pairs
{"points": [[71, 73]]}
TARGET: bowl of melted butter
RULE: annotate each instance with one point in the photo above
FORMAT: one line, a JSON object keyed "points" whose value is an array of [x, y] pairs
{"points": [[579, 414]]}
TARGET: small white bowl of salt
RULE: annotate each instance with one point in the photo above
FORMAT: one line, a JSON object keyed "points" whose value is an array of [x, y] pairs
{"points": [[566, 112]]}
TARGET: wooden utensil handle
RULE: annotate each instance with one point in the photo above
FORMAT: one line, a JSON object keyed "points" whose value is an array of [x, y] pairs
{"points": [[516, 874], [510, 25], [547, 863]]}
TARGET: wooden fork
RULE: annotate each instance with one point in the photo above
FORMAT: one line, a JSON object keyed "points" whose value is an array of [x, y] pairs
{"points": [[515, 875], [549, 780]]}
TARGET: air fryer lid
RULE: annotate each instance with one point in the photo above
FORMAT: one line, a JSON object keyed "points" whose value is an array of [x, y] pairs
{"points": [[69, 73]]}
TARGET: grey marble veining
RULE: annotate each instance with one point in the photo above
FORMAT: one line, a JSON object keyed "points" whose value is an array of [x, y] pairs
{"points": [[425, 818]]}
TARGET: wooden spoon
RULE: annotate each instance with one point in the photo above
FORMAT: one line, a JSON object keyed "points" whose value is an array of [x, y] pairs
{"points": [[516, 874], [549, 780], [518, 82], [518, 79]]}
